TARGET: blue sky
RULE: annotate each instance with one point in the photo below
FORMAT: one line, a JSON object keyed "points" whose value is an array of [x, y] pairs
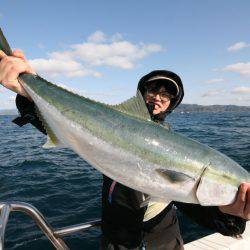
{"points": [[102, 48]]}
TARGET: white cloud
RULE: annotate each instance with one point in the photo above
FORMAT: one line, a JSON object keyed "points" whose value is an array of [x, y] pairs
{"points": [[236, 100], [213, 92], [88, 94], [40, 46], [215, 80], [61, 56], [8, 102], [54, 68], [79, 60], [121, 54], [116, 37], [238, 46], [97, 37], [241, 90], [241, 68]]}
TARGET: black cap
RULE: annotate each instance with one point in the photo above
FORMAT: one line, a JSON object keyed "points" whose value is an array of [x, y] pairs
{"points": [[171, 81]]}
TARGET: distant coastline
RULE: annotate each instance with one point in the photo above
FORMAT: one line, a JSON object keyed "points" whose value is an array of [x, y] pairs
{"points": [[182, 108], [212, 108]]}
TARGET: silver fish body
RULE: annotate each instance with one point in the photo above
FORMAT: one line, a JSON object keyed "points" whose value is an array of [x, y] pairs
{"points": [[137, 152], [134, 151]]}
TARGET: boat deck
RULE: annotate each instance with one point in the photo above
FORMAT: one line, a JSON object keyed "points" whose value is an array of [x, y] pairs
{"points": [[217, 241]]}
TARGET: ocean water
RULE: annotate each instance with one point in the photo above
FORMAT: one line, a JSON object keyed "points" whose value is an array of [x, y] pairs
{"points": [[68, 191]]}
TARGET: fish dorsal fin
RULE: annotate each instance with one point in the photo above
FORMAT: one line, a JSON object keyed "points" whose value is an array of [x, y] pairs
{"points": [[135, 106], [166, 126]]}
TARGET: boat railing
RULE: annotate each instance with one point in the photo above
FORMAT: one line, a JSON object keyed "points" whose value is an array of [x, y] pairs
{"points": [[55, 236], [213, 241]]}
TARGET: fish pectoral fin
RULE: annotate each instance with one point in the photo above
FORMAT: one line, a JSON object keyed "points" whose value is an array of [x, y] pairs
{"points": [[166, 126], [145, 201], [174, 176], [52, 140], [149, 200], [134, 106], [50, 143]]}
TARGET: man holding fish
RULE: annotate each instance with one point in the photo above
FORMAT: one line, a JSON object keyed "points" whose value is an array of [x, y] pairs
{"points": [[129, 219]]}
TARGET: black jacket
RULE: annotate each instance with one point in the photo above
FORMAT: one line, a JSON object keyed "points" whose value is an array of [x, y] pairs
{"points": [[122, 217]]}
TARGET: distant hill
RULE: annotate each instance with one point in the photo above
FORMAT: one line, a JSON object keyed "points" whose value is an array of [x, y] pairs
{"points": [[212, 108], [8, 112], [181, 108]]}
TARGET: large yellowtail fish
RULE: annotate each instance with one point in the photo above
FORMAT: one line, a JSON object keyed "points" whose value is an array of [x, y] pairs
{"points": [[123, 143]]}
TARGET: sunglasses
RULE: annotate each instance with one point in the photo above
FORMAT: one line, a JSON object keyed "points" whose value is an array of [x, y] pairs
{"points": [[164, 95]]}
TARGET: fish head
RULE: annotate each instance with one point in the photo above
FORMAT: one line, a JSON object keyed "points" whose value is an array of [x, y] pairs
{"points": [[220, 181]]}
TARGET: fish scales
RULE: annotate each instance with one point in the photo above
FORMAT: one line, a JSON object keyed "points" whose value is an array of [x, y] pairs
{"points": [[168, 147], [107, 124]]}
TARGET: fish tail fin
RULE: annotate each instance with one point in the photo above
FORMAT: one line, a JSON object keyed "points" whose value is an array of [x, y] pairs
{"points": [[4, 45]]}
